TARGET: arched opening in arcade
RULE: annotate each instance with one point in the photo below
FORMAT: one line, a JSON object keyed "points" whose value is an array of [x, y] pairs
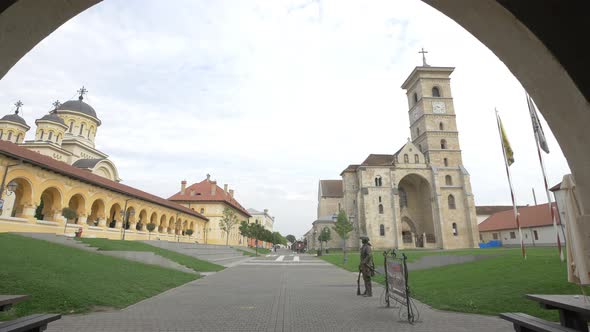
{"points": [[114, 217], [22, 196], [77, 204], [417, 216], [142, 221], [97, 213], [50, 205]]}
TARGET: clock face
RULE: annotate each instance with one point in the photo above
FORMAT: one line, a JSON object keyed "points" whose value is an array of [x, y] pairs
{"points": [[438, 107]]}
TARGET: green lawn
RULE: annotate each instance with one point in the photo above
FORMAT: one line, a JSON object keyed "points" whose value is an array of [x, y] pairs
{"points": [[188, 261], [489, 286], [65, 280]]}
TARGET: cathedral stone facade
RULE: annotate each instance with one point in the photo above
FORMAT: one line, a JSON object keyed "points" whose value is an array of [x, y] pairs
{"points": [[419, 196]]}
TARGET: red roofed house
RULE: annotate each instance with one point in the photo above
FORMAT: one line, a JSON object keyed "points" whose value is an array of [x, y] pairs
{"points": [[535, 222], [208, 199]]}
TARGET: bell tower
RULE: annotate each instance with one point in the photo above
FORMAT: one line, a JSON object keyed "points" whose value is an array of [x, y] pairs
{"points": [[433, 124]]}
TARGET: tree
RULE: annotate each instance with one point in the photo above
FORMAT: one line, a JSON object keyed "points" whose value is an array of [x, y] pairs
{"points": [[325, 236], [69, 214], [39, 211], [256, 231], [343, 227], [227, 223], [150, 227], [245, 230], [189, 232], [291, 238]]}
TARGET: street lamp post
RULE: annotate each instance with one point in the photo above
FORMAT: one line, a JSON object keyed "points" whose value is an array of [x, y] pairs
{"points": [[125, 217], [10, 188]]}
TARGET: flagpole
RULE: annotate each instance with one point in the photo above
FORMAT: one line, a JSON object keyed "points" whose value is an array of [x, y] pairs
{"points": [[542, 162], [516, 215]]}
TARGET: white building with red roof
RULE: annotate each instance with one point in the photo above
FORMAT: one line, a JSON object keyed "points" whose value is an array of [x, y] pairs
{"points": [[535, 222], [210, 200]]}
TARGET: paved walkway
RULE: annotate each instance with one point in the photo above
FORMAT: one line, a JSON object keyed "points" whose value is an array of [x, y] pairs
{"points": [[292, 293]]}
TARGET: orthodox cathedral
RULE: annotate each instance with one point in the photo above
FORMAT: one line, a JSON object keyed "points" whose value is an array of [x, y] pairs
{"points": [[418, 197], [67, 134]]}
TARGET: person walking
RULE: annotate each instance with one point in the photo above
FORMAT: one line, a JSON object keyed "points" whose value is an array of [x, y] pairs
{"points": [[367, 266]]}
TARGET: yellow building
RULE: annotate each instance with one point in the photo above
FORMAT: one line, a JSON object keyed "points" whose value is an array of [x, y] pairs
{"points": [[60, 169], [207, 198]]}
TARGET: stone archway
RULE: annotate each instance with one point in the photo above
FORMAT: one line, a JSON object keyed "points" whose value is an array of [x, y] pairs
{"points": [[77, 203], [418, 212], [114, 216], [163, 227], [50, 205], [22, 200], [556, 79], [97, 213], [142, 221]]}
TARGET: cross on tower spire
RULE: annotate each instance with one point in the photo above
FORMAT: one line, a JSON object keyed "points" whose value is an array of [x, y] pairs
{"points": [[56, 104], [18, 105], [82, 92], [424, 64]]}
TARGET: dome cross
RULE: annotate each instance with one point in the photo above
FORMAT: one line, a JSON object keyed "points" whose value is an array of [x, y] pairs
{"points": [[18, 105], [82, 92]]}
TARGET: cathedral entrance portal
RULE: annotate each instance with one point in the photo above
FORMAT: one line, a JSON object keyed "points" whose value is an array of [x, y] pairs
{"points": [[417, 224]]}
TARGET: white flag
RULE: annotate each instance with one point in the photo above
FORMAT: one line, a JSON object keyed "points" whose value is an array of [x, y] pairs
{"points": [[537, 125]]}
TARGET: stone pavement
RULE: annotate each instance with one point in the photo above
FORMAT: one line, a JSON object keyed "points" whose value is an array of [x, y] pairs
{"points": [[272, 294]]}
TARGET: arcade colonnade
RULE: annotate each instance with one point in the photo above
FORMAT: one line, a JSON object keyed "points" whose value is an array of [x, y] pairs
{"points": [[45, 187]]}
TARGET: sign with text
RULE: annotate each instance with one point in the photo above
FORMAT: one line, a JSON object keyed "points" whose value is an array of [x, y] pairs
{"points": [[396, 278]]}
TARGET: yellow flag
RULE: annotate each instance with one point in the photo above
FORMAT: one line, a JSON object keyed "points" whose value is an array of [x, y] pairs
{"points": [[506, 145]]}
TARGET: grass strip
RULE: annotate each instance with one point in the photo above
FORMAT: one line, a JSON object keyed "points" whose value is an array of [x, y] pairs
{"points": [[489, 286], [196, 264], [65, 280]]}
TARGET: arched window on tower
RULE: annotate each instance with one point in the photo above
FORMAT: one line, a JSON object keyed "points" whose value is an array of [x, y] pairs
{"points": [[416, 159], [449, 180], [1, 133], [71, 126], [58, 138], [415, 98], [443, 144], [435, 92], [382, 230], [50, 136], [41, 136], [380, 208], [455, 230], [406, 159], [9, 136], [81, 129], [378, 181], [452, 205], [403, 198], [441, 126], [17, 138], [446, 161]]}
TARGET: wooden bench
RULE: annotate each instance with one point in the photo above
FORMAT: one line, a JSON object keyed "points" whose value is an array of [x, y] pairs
{"points": [[6, 301], [527, 323], [32, 323]]}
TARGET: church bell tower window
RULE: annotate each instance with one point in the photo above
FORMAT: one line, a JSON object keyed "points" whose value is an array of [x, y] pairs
{"points": [[443, 144], [435, 92], [382, 230], [448, 180], [452, 205]]}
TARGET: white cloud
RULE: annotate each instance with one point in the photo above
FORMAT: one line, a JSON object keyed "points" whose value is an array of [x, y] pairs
{"points": [[270, 97]]}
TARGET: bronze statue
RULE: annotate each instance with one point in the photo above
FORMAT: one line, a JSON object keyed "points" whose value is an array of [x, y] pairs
{"points": [[367, 266]]}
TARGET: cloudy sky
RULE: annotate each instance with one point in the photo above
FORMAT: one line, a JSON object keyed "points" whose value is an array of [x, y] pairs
{"points": [[272, 96]]}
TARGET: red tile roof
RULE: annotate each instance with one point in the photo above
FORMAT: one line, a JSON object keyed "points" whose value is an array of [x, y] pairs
{"points": [[530, 216], [491, 209], [31, 157], [201, 192]]}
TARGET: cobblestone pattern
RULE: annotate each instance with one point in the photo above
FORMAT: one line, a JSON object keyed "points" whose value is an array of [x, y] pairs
{"points": [[272, 298]]}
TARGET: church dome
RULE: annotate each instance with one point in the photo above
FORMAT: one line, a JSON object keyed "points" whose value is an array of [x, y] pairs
{"points": [[53, 118], [78, 106], [14, 118]]}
